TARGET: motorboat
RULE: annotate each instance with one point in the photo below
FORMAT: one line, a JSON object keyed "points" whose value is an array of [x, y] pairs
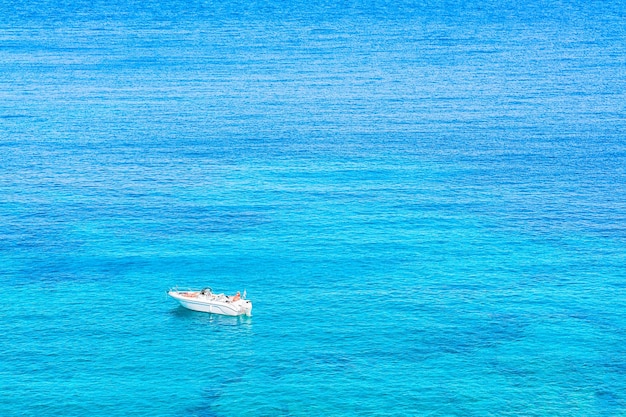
{"points": [[208, 302]]}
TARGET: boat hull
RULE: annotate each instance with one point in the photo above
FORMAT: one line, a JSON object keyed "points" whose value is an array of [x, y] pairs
{"points": [[226, 307]]}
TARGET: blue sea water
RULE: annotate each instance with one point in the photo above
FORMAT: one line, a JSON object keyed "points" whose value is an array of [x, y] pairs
{"points": [[425, 201]]}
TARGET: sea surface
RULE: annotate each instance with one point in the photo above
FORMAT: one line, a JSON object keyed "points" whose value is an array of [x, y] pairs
{"points": [[424, 200]]}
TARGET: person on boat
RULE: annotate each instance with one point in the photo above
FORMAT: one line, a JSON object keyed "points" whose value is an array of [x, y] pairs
{"points": [[237, 296]]}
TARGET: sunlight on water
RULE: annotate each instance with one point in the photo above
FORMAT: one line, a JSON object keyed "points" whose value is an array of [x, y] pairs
{"points": [[425, 202]]}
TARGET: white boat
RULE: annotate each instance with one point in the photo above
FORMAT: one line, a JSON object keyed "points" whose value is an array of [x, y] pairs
{"points": [[206, 301]]}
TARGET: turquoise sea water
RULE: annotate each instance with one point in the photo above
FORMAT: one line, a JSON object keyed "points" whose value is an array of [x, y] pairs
{"points": [[425, 201]]}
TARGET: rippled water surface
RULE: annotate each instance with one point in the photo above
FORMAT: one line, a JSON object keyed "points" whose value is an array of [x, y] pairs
{"points": [[425, 201]]}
